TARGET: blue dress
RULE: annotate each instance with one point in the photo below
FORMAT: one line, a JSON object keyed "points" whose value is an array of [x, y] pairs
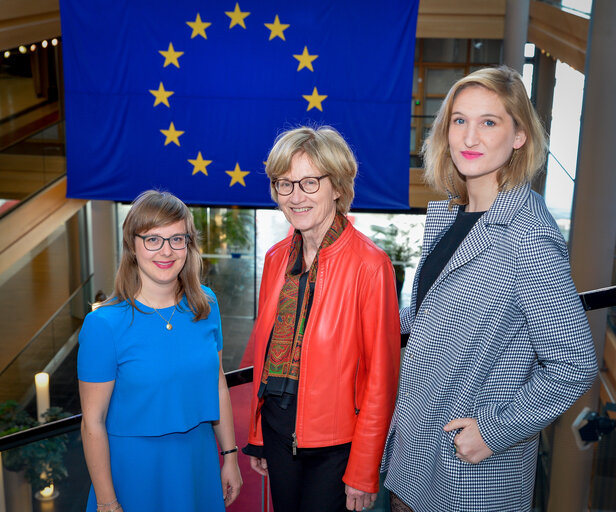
{"points": [[162, 447]]}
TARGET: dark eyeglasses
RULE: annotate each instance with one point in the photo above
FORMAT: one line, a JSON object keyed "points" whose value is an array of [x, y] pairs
{"points": [[156, 242], [309, 185]]}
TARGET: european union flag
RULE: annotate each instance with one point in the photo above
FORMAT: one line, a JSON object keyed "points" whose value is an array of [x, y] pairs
{"points": [[189, 96]]}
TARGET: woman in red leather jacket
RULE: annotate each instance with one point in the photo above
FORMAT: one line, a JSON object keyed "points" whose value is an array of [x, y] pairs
{"points": [[326, 338]]}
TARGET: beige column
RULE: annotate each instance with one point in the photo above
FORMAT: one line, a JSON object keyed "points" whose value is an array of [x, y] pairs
{"points": [[516, 31], [545, 69]]}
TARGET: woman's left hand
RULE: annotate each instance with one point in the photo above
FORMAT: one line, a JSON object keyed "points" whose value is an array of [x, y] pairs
{"points": [[358, 500], [468, 443], [231, 480]]}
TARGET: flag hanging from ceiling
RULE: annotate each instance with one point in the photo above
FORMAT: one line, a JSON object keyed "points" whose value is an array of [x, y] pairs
{"points": [[189, 96]]}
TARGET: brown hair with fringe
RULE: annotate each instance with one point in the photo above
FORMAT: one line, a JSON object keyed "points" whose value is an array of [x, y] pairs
{"points": [[328, 152], [150, 209], [525, 162]]}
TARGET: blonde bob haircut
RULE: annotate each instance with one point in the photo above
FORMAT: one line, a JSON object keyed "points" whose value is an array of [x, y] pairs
{"points": [[153, 209], [524, 163], [327, 151]]}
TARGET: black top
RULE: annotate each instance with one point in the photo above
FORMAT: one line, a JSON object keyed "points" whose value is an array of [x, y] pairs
{"points": [[442, 253], [280, 405]]}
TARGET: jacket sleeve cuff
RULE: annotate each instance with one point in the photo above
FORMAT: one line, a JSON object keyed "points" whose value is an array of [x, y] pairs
{"points": [[495, 435], [253, 450]]}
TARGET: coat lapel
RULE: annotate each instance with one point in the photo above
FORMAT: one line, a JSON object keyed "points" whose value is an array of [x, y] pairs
{"points": [[478, 239]]}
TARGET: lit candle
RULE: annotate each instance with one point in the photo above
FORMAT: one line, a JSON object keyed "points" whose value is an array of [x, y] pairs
{"points": [[47, 492], [41, 381]]}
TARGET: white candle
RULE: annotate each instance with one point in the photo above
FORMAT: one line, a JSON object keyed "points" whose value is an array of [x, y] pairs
{"points": [[41, 381]]}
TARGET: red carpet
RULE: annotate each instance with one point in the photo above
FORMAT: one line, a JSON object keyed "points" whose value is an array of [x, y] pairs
{"points": [[251, 495]]}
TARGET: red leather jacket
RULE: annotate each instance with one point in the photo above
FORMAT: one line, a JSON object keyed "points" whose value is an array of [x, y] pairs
{"points": [[350, 354]]}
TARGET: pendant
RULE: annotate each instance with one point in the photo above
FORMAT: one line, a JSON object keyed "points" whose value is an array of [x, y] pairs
{"points": [[169, 326]]}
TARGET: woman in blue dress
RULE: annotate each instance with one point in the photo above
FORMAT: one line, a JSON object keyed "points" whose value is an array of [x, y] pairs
{"points": [[153, 392]]}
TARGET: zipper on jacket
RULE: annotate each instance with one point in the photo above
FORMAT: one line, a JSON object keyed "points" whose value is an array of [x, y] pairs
{"points": [[294, 444], [355, 404], [257, 414]]}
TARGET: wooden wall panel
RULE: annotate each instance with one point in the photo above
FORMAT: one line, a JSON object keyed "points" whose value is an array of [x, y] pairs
{"points": [[420, 193], [28, 21], [475, 7], [562, 34], [19, 8], [464, 19]]}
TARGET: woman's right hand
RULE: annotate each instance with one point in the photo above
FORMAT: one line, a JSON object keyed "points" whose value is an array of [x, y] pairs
{"points": [[259, 465]]}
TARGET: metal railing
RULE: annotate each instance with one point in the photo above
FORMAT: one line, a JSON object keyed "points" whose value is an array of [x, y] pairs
{"points": [[592, 300], [46, 350]]}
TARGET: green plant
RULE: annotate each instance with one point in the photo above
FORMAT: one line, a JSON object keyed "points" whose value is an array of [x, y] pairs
{"points": [[237, 226], [231, 229], [42, 461]]}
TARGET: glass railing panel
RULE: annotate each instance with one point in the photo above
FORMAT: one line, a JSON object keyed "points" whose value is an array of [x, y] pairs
{"points": [[31, 164], [63, 454], [26, 472], [53, 350]]}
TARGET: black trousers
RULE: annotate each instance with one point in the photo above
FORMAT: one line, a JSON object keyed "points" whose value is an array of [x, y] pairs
{"points": [[308, 481], [397, 505]]}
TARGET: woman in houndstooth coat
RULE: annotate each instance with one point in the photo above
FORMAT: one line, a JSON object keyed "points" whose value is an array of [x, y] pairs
{"points": [[499, 345]]}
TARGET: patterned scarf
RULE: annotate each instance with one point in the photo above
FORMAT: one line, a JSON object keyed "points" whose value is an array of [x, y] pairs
{"points": [[285, 345]]}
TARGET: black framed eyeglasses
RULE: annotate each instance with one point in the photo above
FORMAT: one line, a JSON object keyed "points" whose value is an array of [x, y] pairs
{"points": [[177, 242], [309, 185]]}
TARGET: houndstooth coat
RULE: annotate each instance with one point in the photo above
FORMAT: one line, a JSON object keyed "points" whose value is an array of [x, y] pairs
{"points": [[501, 336]]}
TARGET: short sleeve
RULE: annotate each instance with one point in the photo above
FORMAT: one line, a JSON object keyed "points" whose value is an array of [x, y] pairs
{"points": [[214, 317], [96, 359]]}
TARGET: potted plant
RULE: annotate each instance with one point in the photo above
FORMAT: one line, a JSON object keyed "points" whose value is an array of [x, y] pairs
{"points": [[42, 462]]}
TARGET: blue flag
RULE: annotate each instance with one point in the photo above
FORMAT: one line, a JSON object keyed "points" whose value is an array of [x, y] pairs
{"points": [[189, 96]]}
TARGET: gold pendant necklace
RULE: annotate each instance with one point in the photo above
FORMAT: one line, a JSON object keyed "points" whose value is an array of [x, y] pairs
{"points": [[168, 322]]}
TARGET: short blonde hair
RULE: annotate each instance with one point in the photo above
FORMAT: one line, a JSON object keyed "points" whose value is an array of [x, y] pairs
{"points": [[525, 162], [327, 151]]}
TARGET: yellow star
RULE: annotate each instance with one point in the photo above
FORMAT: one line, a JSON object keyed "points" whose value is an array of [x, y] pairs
{"points": [[305, 59], [200, 165], [171, 56], [277, 29], [198, 27], [237, 16], [172, 135], [161, 95], [237, 175], [314, 99]]}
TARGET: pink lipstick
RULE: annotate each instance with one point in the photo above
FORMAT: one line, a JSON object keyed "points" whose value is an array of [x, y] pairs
{"points": [[471, 155], [163, 265]]}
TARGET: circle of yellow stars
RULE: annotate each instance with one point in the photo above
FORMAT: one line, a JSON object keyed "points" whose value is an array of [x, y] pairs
{"points": [[172, 58]]}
